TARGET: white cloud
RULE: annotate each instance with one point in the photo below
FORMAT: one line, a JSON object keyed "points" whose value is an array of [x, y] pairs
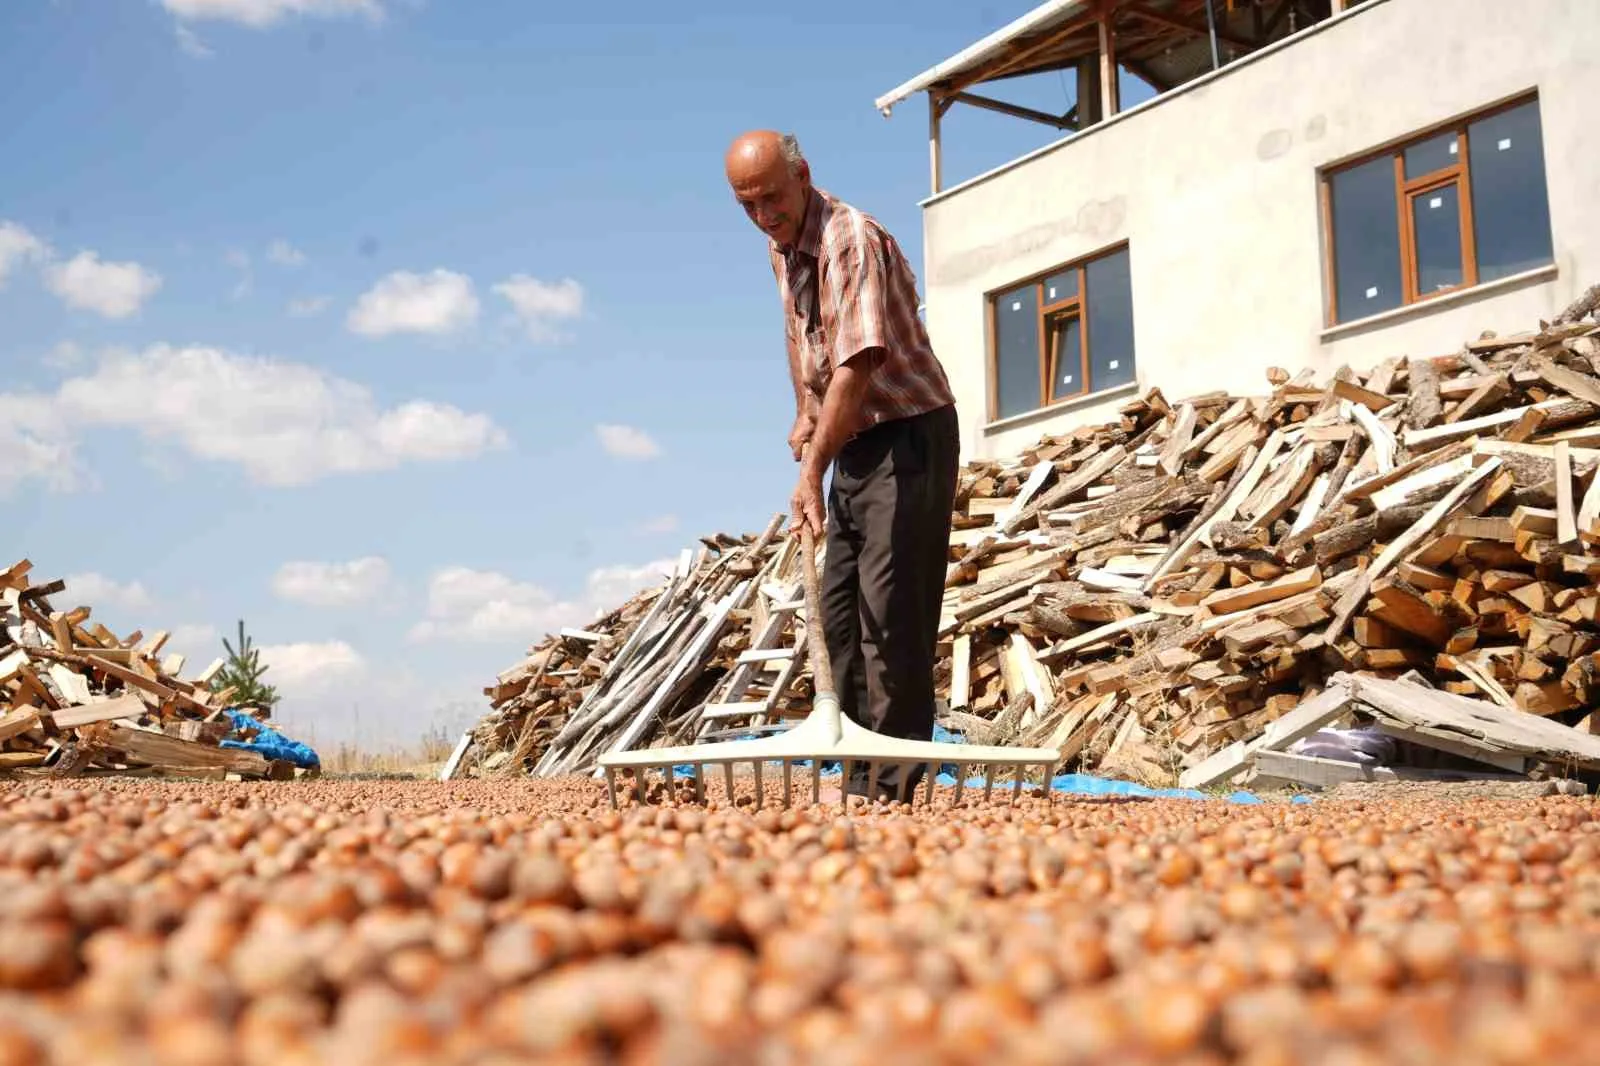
{"points": [[332, 584], [195, 640], [259, 14], [485, 605], [377, 707], [111, 289], [665, 523], [309, 668], [626, 442], [34, 444], [609, 586], [17, 243], [440, 301], [539, 304], [114, 290], [64, 356], [285, 254], [190, 43], [98, 591], [309, 306], [283, 423]]}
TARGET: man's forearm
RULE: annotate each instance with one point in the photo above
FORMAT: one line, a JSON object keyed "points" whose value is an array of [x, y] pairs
{"points": [[841, 411]]}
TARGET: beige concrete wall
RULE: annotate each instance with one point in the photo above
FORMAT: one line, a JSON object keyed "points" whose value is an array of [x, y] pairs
{"points": [[1215, 188]]}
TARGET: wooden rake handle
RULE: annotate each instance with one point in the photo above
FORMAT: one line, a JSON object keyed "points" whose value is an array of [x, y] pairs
{"points": [[816, 644]]}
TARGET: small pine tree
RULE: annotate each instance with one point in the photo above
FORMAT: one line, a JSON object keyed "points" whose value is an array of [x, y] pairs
{"points": [[242, 672]]}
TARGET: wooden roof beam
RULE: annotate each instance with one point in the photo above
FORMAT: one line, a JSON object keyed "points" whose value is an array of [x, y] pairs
{"points": [[1062, 122], [1016, 59]]}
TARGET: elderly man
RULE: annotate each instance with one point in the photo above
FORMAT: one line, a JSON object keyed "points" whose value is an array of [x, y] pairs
{"points": [[872, 400]]}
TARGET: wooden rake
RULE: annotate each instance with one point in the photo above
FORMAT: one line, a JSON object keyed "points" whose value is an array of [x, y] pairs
{"points": [[826, 735]]}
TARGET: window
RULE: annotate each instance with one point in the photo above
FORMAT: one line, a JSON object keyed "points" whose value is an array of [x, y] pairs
{"points": [[1454, 207], [1061, 335]]}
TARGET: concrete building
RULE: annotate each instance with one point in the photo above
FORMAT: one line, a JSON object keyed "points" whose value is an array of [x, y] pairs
{"points": [[1312, 184]]}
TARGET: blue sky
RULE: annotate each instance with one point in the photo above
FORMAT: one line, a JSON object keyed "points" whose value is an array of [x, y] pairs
{"points": [[410, 330]]}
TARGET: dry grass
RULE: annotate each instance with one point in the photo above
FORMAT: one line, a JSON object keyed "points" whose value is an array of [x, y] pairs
{"points": [[423, 758]]}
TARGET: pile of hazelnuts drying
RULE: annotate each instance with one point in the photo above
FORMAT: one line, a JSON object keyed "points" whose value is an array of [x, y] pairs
{"points": [[489, 922]]}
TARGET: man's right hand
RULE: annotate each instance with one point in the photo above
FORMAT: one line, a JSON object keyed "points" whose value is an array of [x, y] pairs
{"points": [[800, 435]]}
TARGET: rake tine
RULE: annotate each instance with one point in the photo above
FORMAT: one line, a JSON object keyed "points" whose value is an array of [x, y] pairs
{"points": [[638, 785], [816, 781], [844, 782], [611, 785], [961, 781], [727, 773], [761, 796], [699, 782], [787, 780], [932, 772], [1016, 787], [874, 768], [988, 781]]}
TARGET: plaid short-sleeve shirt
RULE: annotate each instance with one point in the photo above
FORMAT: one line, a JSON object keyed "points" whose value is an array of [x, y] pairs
{"points": [[846, 287]]}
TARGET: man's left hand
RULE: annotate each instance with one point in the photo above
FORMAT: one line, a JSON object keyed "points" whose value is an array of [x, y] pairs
{"points": [[806, 505]]}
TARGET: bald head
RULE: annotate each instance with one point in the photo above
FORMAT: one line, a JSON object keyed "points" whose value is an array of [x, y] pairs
{"points": [[761, 153], [771, 181]]}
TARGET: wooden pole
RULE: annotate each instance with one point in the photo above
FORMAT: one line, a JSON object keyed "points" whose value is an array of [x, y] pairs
{"points": [[1089, 109], [1109, 103]]}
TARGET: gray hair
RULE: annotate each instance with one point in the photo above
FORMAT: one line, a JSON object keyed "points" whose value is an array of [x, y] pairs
{"points": [[789, 145]]}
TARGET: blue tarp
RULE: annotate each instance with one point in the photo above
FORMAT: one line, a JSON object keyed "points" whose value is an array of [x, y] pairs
{"points": [[1075, 784], [269, 743]]}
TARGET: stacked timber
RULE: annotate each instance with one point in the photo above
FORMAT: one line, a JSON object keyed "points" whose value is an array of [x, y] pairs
{"points": [[77, 699], [1144, 594], [666, 667]]}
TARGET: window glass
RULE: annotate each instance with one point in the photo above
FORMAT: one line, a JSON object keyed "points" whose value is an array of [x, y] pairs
{"points": [[1066, 348], [1109, 305], [1062, 286], [1016, 338], [1436, 220], [1366, 241], [1510, 211], [1435, 153]]}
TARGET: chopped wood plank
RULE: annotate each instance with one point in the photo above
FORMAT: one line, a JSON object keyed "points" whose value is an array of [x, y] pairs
{"points": [[1225, 601], [1304, 720], [1100, 634], [1320, 772], [1373, 401], [1566, 513], [102, 711], [1404, 543]]}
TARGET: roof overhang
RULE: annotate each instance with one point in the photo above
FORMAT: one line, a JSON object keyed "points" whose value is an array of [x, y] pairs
{"points": [[973, 58]]}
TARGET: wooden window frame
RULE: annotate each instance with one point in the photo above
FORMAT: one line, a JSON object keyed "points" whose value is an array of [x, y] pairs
{"points": [[1046, 315], [1406, 191]]}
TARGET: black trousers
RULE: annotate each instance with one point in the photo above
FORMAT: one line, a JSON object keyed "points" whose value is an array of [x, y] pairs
{"points": [[888, 544]]}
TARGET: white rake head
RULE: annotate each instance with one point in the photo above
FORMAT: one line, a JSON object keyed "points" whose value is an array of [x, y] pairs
{"points": [[826, 735]]}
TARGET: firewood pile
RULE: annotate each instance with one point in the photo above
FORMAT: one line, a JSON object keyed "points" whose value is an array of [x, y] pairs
{"points": [[714, 646], [1146, 594], [78, 700]]}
